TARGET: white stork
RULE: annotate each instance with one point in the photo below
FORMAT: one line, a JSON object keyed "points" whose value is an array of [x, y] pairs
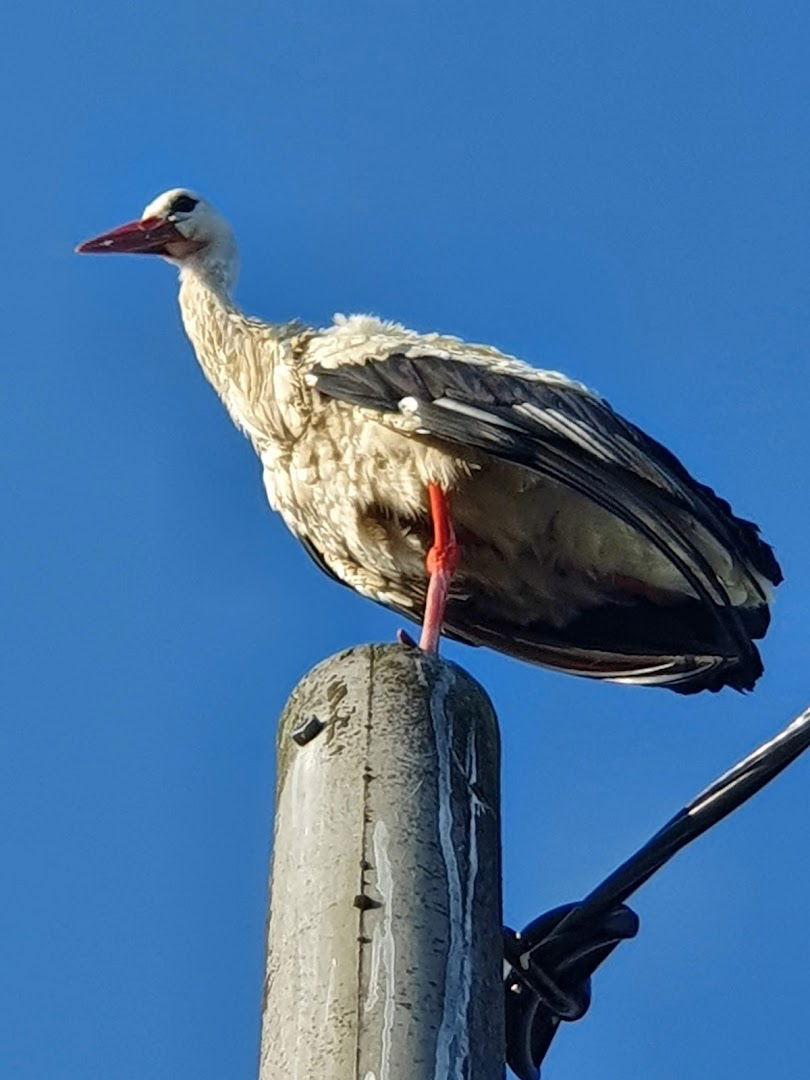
{"points": [[555, 530]]}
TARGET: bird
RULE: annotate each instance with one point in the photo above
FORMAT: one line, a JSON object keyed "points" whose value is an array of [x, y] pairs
{"points": [[494, 502]]}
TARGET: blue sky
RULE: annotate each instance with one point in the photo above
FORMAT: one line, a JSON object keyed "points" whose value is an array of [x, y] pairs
{"points": [[615, 190]]}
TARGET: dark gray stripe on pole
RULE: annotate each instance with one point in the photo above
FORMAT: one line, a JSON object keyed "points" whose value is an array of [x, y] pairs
{"points": [[384, 941]]}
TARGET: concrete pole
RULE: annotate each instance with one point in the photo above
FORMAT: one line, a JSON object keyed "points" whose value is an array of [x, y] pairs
{"points": [[385, 955]]}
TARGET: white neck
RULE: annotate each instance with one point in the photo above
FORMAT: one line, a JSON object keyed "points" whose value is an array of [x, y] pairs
{"points": [[206, 308], [217, 269], [238, 355]]}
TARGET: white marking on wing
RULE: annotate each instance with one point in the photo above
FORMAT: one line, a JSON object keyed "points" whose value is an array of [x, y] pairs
{"points": [[475, 413]]}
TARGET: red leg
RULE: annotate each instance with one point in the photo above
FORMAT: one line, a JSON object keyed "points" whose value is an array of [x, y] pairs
{"points": [[441, 562]]}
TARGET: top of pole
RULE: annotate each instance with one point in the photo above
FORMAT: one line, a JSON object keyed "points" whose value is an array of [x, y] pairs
{"points": [[385, 954]]}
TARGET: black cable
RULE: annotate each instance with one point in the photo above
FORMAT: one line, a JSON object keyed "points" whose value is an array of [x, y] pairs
{"points": [[550, 962]]}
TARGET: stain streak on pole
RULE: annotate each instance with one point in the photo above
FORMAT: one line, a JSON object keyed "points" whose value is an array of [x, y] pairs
{"points": [[384, 939]]}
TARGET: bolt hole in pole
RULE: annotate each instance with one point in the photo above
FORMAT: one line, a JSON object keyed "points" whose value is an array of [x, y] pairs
{"points": [[306, 731]]}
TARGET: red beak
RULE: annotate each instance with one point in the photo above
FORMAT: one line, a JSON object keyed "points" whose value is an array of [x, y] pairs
{"points": [[147, 237]]}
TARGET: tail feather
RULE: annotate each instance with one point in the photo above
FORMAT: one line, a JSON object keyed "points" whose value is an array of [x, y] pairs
{"points": [[640, 644]]}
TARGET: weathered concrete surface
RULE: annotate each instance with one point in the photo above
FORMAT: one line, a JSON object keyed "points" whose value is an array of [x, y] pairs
{"points": [[384, 940]]}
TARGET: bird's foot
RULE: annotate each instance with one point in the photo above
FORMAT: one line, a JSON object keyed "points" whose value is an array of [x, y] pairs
{"points": [[404, 638]]}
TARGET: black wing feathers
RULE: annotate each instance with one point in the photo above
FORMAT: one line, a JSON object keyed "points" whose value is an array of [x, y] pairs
{"points": [[381, 385], [578, 441]]}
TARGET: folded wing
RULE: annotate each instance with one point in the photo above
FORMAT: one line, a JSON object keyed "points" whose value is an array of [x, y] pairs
{"points": [[562, 432]]}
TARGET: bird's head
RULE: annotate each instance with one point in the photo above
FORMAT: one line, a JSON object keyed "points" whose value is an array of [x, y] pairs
{"points": [[181, 226]]}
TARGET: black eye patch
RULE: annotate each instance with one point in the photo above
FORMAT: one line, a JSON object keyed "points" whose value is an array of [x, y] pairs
{"points": [[183, 204]]}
